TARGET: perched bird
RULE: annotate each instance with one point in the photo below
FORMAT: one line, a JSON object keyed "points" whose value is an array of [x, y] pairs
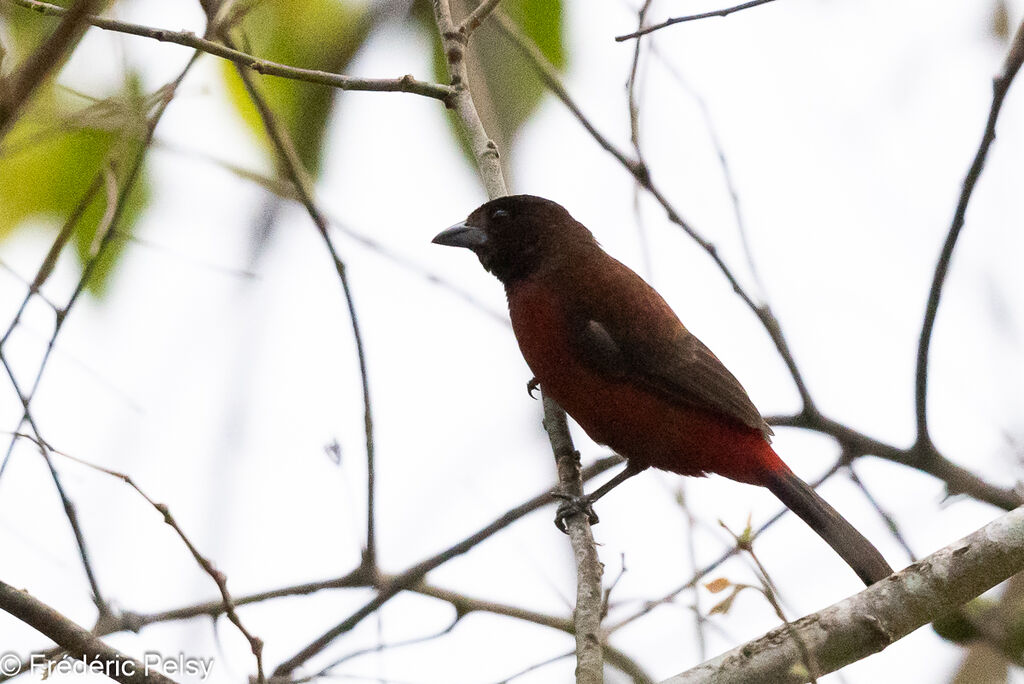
{"points": [[605, 345]]}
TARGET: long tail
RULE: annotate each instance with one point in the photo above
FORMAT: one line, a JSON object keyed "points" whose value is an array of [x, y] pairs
{"points": [[857, 551]]}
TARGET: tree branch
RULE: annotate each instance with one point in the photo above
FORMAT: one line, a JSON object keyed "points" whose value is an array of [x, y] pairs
{"points": [[589, 597], [880, 615], [76, 640], [692, 17], [404, 84], [1000, 86]]}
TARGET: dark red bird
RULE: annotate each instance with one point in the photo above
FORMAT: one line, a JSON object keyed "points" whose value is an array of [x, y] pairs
{"points": [[606, 346]]}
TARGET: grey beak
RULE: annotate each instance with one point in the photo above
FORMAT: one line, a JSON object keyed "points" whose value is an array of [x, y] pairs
{"points": [[462, 235]]}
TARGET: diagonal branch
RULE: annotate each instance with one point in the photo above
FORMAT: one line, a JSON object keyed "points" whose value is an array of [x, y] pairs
{"points": [[112, 218], [1000, 86], [880, 615], [76, 640]]}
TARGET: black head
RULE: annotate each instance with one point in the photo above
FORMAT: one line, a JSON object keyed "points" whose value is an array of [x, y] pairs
{"points": [[513, 236]]}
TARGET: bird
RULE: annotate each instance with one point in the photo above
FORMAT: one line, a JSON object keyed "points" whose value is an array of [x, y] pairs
{"points": [[614, 355]]}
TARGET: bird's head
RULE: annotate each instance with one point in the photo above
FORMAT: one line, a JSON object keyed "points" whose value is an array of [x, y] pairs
{"points": [[513, 236]]}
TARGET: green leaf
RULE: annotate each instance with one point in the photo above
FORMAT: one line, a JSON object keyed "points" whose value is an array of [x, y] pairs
{"points": [[311, 34], [505, 89], [51, 157]]}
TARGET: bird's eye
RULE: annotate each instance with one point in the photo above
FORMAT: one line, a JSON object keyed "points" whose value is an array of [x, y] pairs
{"points": [[499, 215]]}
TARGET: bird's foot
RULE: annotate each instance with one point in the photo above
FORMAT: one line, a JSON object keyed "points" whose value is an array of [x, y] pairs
{"points": [[572, 505], [533, 384]]}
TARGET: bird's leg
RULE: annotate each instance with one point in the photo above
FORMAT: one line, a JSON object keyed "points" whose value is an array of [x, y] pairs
{"points": [[571, 505], [533, 384]]}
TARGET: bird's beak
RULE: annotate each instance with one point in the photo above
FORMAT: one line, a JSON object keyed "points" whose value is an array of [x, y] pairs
{"points": [[462, 235]]}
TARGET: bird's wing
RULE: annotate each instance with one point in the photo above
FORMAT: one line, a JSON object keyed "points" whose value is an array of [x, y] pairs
{"points": [[660, 355]]}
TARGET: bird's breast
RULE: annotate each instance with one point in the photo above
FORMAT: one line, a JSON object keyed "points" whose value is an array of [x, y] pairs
{"points": [[619, 411]]}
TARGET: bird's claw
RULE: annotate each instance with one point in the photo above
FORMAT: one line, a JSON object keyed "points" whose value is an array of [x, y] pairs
{"points": [[572, 505], [533, 384]]}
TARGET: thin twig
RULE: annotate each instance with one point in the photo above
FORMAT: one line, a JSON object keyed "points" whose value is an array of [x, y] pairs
{"points": [[702, 572], [549, 76], [1000, 87], [167, 94], [771, 594], [286, 190], [885, 515], [404, 84], [297, 174], [204, 563], [692, 17], [634, 136], [723, 163], [327, 671], [414, 574], [364, 576]]}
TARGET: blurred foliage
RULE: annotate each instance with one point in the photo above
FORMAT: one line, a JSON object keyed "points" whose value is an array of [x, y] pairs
{"points": [[991, 630], [60, 143], [961, 626], [64, 140], [311, 34], [505, 89]]}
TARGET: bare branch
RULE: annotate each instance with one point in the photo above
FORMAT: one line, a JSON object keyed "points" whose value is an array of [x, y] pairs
{"points": [[404, 84], [76, 640], [925, 458], [298, 175], [589, 596], [692, 17], [91, 264], [219, 578], [413, 575], [1000, 86], [702, 572], [880, 615]]}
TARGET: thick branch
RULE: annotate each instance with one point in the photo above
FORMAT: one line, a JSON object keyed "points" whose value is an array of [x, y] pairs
{"points": [[880, 615], [75, 640]]}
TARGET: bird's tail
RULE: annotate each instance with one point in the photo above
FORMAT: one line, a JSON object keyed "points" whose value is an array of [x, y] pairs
{"points": [[857, 551]]}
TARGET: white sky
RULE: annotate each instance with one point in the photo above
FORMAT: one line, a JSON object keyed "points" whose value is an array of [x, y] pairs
{"points": [[848, 128]]}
